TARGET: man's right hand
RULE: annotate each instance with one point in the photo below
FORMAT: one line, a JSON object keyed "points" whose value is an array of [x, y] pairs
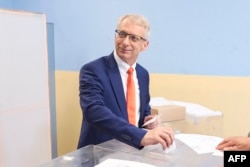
{"points": [[162, 135]]}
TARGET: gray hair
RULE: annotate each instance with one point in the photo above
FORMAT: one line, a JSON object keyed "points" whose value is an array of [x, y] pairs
{"points": [[137, 19]]}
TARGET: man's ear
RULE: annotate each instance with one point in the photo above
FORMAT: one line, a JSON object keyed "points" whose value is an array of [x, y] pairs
{"points": [[145, 46]]}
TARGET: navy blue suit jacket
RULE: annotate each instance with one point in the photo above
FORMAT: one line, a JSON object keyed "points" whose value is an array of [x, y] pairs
{"points": [[103, 103]]}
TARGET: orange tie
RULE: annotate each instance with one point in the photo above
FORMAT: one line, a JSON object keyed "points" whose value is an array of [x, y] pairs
{"points": [[131, 96]]}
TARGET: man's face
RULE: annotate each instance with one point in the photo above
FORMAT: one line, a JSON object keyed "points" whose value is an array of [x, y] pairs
{"points": [[129, 41]]}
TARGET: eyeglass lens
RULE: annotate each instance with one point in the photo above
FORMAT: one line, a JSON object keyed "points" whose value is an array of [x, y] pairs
{"points": [[132, 37]]}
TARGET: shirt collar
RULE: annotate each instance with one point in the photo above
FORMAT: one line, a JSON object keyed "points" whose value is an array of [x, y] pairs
{"points": [[121, 64]]}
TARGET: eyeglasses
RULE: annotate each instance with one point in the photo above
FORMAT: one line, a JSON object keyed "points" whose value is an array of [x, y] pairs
{"points": [[132, 37]]}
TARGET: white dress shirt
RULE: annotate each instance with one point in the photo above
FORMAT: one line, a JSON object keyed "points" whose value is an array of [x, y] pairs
{"points": [[123, 68]]}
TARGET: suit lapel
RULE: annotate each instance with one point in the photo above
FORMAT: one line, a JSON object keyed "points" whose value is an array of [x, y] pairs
{"points": [[142, 87], [116, 82]]}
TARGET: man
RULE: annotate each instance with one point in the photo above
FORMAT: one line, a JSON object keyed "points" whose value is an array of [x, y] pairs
{"points": [[103, 92]]}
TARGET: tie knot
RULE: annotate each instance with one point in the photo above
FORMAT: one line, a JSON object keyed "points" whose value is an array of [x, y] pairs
{"points": [[130, 70]]}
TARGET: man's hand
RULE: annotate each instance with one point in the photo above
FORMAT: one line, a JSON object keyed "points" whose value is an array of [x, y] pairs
{"points": [[155, 123], [235, 143], [162, 135]]}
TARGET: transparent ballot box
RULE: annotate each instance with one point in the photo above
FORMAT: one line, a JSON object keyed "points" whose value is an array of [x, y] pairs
{"points": [[93, 155], [183, 155]]}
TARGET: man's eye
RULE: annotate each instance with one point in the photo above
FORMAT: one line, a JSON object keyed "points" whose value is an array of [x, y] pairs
{"points": [[122, 34], [134, 38]]}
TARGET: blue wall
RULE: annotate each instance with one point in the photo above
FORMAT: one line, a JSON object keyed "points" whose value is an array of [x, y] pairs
{"points": [[6, 4], [187, 37]]}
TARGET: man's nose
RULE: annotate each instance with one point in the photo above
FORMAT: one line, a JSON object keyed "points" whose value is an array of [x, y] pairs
{"points": [[126, 39]]}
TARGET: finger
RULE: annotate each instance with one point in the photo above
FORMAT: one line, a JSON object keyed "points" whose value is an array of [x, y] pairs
{"points": [[170, 135], [153, 125], [222, 146], [166, 137], [163, 143], [230, 148], [221, 143], [169, 141], [225, 145], [148, 117]]}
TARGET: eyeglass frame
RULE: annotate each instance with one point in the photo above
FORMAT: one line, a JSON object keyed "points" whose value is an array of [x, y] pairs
{"points": [[127, 34]]}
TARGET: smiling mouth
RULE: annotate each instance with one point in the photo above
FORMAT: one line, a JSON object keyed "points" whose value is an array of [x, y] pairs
{"points": [[124, 50]]}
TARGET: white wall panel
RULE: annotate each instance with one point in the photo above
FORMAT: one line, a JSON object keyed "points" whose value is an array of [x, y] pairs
{"points": [[25, 138]]}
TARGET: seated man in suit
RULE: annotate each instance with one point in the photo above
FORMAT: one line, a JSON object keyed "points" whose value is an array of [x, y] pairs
{"points": [[104, 95]]}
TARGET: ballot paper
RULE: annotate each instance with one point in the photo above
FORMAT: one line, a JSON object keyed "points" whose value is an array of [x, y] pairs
{"points": [[170, 148], [122, 163], [201, 144]]}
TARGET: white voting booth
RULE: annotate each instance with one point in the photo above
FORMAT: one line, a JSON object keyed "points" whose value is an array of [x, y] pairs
{"points": [[25, 136]]}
